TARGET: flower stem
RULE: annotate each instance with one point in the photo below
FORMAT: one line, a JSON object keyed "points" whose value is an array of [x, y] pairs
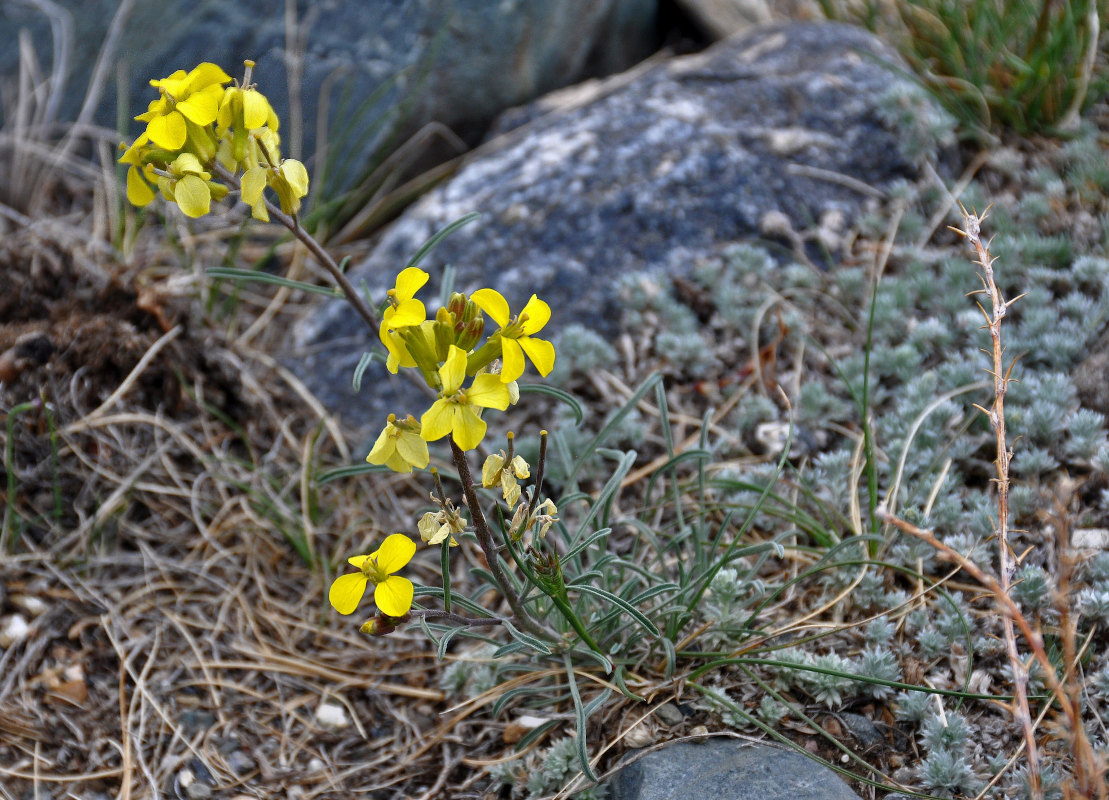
{"points": [[489, 545], [314, 247]]}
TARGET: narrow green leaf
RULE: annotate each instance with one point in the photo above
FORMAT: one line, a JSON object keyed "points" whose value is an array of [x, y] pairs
{"points": [[579, 720], [617, 601], [277, 280], [434, 241], [558, 394]]}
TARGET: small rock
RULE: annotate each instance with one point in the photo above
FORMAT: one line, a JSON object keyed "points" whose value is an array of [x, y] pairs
{"points": [[198, 791], [13, 629], [669, 714], [863, 729], [518, 728], [240, 762], [35, 606], [727, 768], [332, 716], [1090, 539], [315, 765], [194, 782], [195, 720], [640, 736]]}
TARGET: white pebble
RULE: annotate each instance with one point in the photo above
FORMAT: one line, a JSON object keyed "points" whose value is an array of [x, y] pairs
{"points": [[13, 629], [331, 716]]}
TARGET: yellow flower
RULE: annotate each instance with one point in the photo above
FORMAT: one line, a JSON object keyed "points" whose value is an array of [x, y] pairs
{"points": [[139, 175], [456, 411], [399, 446], [404, 309], [498, 470], [289, 179], [392, 593], [188, 185], [241, 110], [515, 333], [192, 96]]}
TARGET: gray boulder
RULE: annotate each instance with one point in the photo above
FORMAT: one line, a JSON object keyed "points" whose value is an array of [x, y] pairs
{"points": [[463, 61], [784, 132], [727, 769]]}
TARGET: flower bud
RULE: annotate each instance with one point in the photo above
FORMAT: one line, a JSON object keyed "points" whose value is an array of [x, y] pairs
{"points": [[380, 625], [471, 333], [457, 305]]}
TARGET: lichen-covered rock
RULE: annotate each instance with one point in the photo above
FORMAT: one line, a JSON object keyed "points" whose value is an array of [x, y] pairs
{"points": [[785, 132]]}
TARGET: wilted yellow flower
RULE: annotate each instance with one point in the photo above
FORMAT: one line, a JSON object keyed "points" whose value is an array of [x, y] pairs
{"points": [[435, 526], [498, 470]]}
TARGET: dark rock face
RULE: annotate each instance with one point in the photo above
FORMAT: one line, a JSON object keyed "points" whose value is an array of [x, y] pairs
{"points": [[781, 125], [727, 769], [467, 60]]}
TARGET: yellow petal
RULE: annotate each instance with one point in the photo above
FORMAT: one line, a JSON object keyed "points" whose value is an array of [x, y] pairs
{"points": [[358, 561], [186, 164], [491, 470], [409, 281], [407, 312], [203, 106], [347, 591], [174, 81], [383, 448], [453, 371], [394, 596], [413, 450], [492, 303], [469, 428], [538, 314], [520, 467], [541, 353], [167, 131], [193, 196], [296, 176], [138, 190], [205, 74], [488, 391], [512, 360], [396, 551], [256, 109], [133, 154], [436, 421], [252, 184]]}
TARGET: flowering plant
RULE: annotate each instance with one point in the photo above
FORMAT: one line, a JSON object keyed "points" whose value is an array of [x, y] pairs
{"points": [[207, 137]]}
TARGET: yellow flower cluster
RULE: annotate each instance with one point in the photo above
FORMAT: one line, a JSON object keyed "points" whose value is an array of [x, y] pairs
{"points": [[196, 123], [445, 351]]}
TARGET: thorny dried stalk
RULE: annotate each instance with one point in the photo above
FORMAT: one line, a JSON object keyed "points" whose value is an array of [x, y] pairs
{"points": [[1088, 779], [972, 229]]}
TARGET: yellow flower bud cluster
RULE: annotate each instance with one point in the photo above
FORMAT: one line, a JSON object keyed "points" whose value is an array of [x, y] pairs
{"points": [[445, 350], [199, 122]]}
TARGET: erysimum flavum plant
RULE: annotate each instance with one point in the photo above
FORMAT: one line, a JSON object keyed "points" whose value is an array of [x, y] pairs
{"points": [[207, 138]]}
